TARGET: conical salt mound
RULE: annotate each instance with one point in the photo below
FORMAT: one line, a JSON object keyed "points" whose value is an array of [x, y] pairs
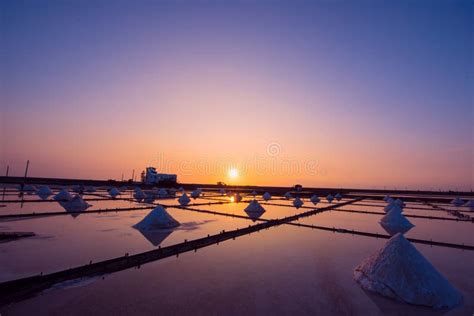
{"points": [[76, 204], [158, 218], [195, 194], [139, 194], [338, 196], [28, 188], [457, 202], [184, 199], [63, 195], [395, 209], [395, 222], [388, 208], [90, 189], [267, 196], [222, 191], [44, 191], [78, 188], [399, 203], [400, 271], [254, 210], [329, 198], [254, 193], [287, 195], [297, 202], [470, 204], [254, 207], [315, 199], [114, 192]]}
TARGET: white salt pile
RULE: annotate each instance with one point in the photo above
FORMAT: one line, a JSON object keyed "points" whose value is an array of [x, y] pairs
{"points": [[395, 222], [297, 202], [329, 197], [394, 208], [390, 206], [222, 191], [399, 203], [254, 210], [315, 199], [400, 271], [114, 192], [158, 218], [28, 188], [90, 189], [76, 204], [237, 197], [44, 191], [267, 196], [338, 196], [287, 195], [78, 188], [457, 202], [470, 204], [139, 194], [254, 207], [195, 194], [254, 193], [184, 199], [63, 195]]}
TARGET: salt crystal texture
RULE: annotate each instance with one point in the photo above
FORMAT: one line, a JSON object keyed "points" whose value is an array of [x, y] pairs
{"points": [[254, 207], [315, 199], [266, 196], [329, 198], [457, 202], [399, 271], [297, 202], [63, 195], [395, 222], [184, 199], [114, 192], [76, 204], [158, 218]]}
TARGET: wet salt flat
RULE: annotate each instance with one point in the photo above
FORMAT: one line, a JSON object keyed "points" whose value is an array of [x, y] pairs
{"points": [[281, 270]]}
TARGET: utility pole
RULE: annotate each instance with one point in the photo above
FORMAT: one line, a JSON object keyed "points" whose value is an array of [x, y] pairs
{"points": [[4, 188], [26, 169]]}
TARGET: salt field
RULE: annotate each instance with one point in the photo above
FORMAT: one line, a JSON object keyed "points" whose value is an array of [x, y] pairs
{"points": [[162, 157], [302, 266]]}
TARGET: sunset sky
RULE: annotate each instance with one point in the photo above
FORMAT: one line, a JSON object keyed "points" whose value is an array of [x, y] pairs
{"points": [[324, 93]]}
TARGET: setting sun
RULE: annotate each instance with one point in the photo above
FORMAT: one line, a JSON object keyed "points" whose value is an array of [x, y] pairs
{"points": [[233, 173]]}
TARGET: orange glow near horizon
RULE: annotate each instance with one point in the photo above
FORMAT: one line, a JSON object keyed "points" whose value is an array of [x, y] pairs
{"points": [[274, 93]]}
